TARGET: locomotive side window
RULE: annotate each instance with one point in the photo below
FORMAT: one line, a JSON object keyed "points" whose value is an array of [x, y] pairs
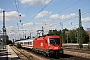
{"points": [[54, 41]]}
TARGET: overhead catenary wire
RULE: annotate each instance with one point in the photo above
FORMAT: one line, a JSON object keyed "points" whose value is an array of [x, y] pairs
{"points": [[29, 8], [18, 11], [69, 6], [17, 8], [76, 16], [40, 10], [48, 4], [58, 12]]}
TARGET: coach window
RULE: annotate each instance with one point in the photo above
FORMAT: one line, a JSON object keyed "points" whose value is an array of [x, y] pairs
{"points": [[21, 43], [30, 43], [25, 42]]}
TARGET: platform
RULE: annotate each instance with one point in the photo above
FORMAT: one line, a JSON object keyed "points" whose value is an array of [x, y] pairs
{"points": [[8, 54]]}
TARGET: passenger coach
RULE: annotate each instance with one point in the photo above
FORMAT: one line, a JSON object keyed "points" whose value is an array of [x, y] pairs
{"points": [[26, 43]]}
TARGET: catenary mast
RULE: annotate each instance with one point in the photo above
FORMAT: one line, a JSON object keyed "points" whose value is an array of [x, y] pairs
{"points": [[4, 31]]}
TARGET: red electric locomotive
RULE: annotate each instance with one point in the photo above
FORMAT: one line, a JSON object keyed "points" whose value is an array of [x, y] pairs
{"points": [[48, 45]]}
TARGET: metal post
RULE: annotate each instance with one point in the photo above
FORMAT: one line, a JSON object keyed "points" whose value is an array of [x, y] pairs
{"points": [[23, 34], [4, 31], [77, 35], [18, 27], [67, 38], [42, 31], [80, 24], [30, 35], [62, 29], [89, 38]]}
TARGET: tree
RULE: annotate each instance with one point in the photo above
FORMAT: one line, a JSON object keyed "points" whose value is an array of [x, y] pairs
{"points": [[50, 32], [78, 35], [8, 42], [72, 36], [64, 39], [83, 37]]}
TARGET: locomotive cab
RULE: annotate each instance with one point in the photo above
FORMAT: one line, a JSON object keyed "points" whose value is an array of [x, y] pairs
{"points": [[54, 45]]}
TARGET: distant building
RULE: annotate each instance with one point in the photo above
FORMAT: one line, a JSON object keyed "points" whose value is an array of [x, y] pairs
{"points": [[88, 28], [88, 32]]}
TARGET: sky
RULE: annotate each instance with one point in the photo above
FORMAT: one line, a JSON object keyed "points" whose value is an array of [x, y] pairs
{"points": [[25, 16]]}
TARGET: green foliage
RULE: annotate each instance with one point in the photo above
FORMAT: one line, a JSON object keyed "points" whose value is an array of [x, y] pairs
{"points": [[55, 32], [8, 42], [83, 36], [72, 36], [18, 45]]}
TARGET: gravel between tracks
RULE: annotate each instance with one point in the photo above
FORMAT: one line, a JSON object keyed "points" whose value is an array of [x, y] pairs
{"points": [[85, 55]]}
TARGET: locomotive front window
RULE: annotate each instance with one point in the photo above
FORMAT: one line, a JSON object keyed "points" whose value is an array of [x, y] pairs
{"points": [[54, 41]]}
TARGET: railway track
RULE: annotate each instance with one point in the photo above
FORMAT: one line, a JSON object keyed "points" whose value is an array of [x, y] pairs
{"points": [[28, 55], [21, 54], [35, 56]]}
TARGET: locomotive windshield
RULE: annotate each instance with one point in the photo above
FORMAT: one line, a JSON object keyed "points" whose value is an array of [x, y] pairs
{"points": [[54, 41]]}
